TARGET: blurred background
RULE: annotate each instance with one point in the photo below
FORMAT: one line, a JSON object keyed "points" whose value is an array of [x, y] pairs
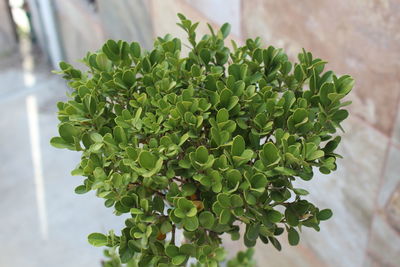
{"points": [[43, 223]]}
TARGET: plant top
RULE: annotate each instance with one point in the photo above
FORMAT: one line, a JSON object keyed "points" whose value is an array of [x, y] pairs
{"points": [[203, 142]]}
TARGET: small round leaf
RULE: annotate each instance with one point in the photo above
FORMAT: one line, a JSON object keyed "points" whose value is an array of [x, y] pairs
{"points": [[206, 219], [324, 214], [97, 239], [293, 236]]}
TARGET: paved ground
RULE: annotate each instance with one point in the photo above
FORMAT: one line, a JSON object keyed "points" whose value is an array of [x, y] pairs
{"points": [[43, 223]]}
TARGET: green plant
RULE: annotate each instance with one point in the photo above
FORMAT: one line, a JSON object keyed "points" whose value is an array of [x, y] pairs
{"points": [[204, 143], [243, 259]]}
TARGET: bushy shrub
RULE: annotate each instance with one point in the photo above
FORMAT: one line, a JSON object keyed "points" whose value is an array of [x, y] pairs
{"points": [[203, 142]]}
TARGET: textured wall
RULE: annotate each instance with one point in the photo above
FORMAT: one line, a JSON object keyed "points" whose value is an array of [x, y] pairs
{"points": [[80, 29], [85, 27], [126, 20], [7, 38]]}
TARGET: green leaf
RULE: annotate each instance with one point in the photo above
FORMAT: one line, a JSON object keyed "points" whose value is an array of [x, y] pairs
{"points": [[340, 115], [129, 78], [220, 254], [222, 115], [324, 214], [81, 189], [344, 84], [96, 137], [299, 116], [201, 154], [238, 146], [158, 203], [324, 91], [102, 62], [120, 135], [166, 227], [291, 217], [332, 145], [191, 223], [236, 201], [270, 155], [259, 181], [67, 132], [300, 191], [187, 206], [135, 49], [126, 253], [206, 219], [171, 251], [225, 30], [189, 189], [90, 104], [249, 242], [147, 160], [253, 231], [225, 216], [298, 73], [59, 142], [180, 213], [136, 211], [97, 239], [205, 55], [274, 216], [293, 237], [154, 170], [188, 249], [250, 198], [178, 260], [275, 242], [285, 171], [224, 200], [316, 155]]}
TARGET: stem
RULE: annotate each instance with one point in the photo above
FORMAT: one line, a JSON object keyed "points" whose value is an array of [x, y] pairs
{"points": [[178, 179], [173, 235], [159, 193]]}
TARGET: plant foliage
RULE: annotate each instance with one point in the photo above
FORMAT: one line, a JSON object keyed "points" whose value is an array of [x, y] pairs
{"points": [[204, 143]]}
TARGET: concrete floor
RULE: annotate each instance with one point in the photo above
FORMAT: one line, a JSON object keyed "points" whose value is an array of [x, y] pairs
{"points": [[43, 222]]}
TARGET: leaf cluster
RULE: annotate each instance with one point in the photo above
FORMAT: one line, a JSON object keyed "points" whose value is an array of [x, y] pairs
{"points": [[202, 142]]}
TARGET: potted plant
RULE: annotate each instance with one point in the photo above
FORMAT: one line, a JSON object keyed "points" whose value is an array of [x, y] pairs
{"points": [[203, 143]]}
